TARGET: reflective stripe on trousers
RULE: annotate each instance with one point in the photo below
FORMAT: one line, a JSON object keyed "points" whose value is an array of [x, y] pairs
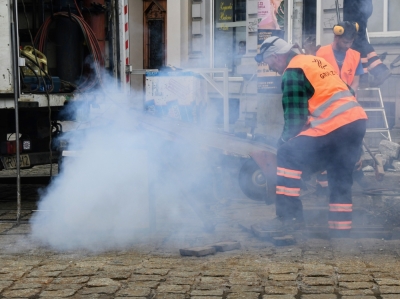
{"points": [[340, 215]]}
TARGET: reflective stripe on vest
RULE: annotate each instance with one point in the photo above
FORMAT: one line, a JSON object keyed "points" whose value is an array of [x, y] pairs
{"points": [[332, 105], [288, 173], [337, 96], [282, 190], [341, 207], [335, 112], [339, 224]]}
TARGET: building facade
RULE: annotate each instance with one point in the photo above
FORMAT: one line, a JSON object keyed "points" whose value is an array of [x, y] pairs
{"points": [[211, 34]]}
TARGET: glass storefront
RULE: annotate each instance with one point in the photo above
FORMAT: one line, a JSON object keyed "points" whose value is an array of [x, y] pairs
{"points": [[229, 33]]}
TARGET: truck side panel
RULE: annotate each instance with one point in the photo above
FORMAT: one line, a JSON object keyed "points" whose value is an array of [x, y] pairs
{"points": [[6, 78]]}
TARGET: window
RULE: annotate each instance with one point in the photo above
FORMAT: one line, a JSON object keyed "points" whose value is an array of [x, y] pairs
{"points": [[229, 33], [384, 20]]}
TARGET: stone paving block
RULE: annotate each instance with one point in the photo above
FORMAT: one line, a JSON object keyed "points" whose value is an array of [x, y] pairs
{"points": [[281, 283], [40, 273], [217, 272], [318, 281], [354, 277], [390, 290], [71, 280], [219, 293], [245, 278], [213, 280], [169, 296], [148, 271], [243, 296], [102, 282], [356, 285], [5, 226], [99, 290], [359, 292], [278, 269], [197, 251], [73, 272], [12, 275], [114, 274], [319, 296], [21, 286], [317, 270], [179, 280], [276, 290], [317, 289], [25, 293], [53, 267], [358, 297], [5, 284], [389, 296], [283, 277], [58, 293], [40, 280], [387, 282], [134, 292], [59, 286], [226, 246], [144, 284], [176, 289], [185, 274], [278, 297], [146, 278], [245, 289]]}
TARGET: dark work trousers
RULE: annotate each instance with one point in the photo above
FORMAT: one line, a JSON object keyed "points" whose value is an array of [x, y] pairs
{"points": [[337, 152]]}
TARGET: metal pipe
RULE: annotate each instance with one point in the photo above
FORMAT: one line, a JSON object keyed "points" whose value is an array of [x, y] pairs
{"points": [[15, 54], [337, 10], [226, 101]]}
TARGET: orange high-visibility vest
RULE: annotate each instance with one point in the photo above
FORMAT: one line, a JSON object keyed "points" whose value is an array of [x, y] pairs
{"points": [[350, 63], [332, 105]]}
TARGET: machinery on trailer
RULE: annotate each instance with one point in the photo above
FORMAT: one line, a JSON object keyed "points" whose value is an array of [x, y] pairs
{"points": [[51, 52]]}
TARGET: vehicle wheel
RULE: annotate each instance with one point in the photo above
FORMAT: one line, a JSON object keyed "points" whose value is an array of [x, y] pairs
{"points": [[252, 181]]}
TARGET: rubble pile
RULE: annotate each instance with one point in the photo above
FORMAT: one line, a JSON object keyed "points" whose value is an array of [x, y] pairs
{"points": [[388, 152]]}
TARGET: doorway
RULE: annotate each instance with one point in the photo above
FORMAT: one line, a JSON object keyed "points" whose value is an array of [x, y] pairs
{"points": [[154, 16]]}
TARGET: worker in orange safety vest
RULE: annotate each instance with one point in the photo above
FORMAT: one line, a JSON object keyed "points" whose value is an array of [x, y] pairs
{"points": [[324, 128], [345, 61]]}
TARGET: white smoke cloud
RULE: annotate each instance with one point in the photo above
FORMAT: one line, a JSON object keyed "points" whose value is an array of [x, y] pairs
{"points": [[100, 200]]}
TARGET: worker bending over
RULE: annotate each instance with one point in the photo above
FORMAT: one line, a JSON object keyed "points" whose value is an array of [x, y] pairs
{"points": [[347, 63], [324, 127]]}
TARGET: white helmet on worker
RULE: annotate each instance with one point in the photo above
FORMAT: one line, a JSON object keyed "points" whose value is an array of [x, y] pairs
{"points": [[272, 45]]}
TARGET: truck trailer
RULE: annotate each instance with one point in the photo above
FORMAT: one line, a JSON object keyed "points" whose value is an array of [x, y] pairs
{"points": [[51, 53]]}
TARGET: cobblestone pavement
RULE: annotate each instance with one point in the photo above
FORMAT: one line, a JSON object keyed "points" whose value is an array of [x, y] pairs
{"points": [[313, 268]]}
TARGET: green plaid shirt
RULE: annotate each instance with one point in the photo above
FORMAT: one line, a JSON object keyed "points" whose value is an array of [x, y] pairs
{"points": [[297, 90]]}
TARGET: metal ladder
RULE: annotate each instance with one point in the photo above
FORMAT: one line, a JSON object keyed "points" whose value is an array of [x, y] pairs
{"points": [[380, 109]]}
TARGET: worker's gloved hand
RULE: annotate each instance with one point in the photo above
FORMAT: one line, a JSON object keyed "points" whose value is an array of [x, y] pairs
{"points": [[359, 164]]}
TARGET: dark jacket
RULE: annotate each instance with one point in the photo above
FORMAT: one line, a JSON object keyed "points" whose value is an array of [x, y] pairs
{"points": [[357, 10]]}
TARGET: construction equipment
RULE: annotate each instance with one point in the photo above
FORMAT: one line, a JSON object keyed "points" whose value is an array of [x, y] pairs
{"points": [[378, 165]]}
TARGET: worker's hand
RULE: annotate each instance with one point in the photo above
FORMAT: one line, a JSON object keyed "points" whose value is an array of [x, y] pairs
{"points": [[359, 164]]}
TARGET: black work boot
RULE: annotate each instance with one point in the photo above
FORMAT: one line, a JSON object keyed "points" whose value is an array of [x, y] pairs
{"points": [[339, 233]]}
